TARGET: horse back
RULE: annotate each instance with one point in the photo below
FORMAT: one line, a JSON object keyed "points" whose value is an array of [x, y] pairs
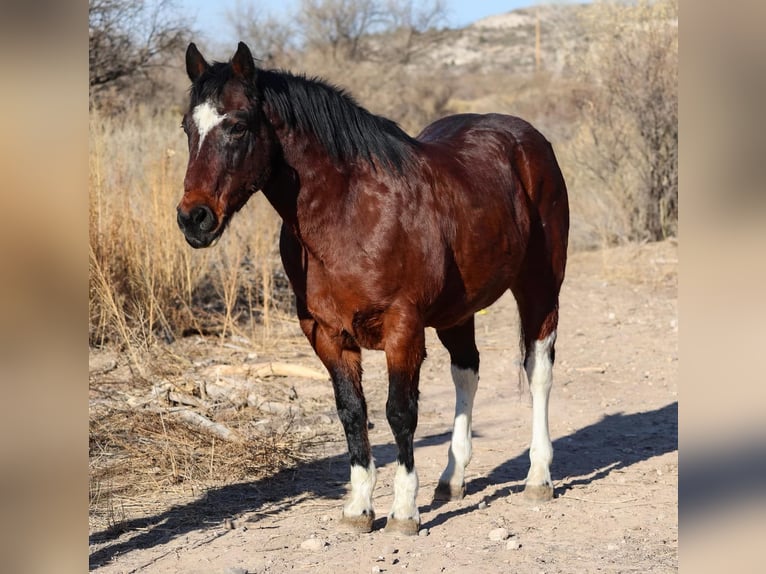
{"points": [[490, 148], [502, 185]]}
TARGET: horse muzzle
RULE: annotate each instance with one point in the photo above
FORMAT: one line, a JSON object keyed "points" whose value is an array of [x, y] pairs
{"points": [[199, 226]]}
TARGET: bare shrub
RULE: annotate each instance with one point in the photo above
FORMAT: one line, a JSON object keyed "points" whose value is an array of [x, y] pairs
{"points": [[411, 29], [346, 31], [338, 26], [129, 41], [626, 146], [272, 40]]}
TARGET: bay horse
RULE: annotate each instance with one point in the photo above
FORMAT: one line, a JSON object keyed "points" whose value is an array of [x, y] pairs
{"points": [[384, 235]]}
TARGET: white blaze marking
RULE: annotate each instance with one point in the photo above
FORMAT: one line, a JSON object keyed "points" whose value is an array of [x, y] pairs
{"points": [[405, 494], [362, 484], [206, 117], [466, 382], [540, 381]]}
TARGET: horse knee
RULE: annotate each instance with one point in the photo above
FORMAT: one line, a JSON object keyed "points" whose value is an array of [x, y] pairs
{"points": [[538, 362]]}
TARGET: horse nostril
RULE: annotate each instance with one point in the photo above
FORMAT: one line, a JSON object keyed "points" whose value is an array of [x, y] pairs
{"points": [[203, 218], [200, 218]]}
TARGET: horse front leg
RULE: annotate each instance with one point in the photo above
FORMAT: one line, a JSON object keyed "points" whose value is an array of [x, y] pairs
{"points": [[343, 361], [464, 358], [405, 351], [358, 512]]}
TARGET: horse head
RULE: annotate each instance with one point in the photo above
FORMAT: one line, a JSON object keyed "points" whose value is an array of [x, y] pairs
{"points": [[231, 144]]}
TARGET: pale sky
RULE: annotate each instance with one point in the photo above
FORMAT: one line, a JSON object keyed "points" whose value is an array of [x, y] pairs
{"points": [[210, 17]]}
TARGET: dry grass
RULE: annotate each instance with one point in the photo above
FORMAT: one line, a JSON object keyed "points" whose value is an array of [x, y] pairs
{"points": [[148, 287], [137, 455], [146, 283]]}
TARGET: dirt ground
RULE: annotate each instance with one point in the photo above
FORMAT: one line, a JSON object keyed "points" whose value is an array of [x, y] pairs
{"points": [[613, 419]]}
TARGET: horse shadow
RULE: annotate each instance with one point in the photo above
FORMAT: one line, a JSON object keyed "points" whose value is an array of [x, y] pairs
{"points": [[587, 455]]}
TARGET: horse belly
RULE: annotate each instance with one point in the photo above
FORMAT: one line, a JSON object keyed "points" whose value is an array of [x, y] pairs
{"points": [[468, 290]]}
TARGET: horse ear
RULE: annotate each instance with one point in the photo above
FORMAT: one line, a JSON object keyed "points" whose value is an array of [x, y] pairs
{"points": [[195, 62], [242, 62]]}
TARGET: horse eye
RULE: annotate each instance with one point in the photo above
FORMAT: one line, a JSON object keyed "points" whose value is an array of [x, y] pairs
{"points": [[238, 129]]}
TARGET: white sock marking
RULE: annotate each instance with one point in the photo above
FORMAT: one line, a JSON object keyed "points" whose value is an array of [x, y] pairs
{"points": [[540, 374], [466, 381], [206, 117], [362, 484], [405, 494]]}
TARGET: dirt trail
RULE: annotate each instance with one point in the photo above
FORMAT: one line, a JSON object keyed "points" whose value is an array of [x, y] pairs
{"points": [[615, 470]]}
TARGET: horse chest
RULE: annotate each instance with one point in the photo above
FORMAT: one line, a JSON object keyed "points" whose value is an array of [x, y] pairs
{"points": [[345, 309]]}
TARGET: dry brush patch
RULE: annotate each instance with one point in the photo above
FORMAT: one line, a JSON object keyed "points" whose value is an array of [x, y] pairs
{"points": [[141, 458], [196, 428]]}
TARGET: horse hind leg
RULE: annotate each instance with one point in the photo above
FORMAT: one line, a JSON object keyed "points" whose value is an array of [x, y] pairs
{"points": [[464, 359], [538, 365], [537, 294]]}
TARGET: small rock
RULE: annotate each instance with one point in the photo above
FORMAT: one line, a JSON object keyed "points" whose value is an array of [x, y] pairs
{"points": [[423, 532], [482, 505], [512, 544], [235, 570], [313, 544], [376, 569], [228, 524], [499, 534]]}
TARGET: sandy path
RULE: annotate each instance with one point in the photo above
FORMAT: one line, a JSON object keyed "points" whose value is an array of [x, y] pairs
{"points": [[613, 422]]}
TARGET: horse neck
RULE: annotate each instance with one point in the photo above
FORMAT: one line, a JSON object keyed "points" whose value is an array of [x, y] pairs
{"points": [[305, 187]]}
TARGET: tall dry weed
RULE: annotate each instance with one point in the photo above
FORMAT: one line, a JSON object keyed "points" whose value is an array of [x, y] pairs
{"points": [[146, 283]]}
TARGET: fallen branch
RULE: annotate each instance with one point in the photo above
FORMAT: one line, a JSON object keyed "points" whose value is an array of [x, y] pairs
{"points": [[288, 370], [206, 425], [235, 391], [184, 399], [270, 369]]}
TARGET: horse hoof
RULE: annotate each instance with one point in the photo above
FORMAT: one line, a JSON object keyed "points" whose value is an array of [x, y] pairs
{"points": [[445, 491], [408, 526], [359, 524], [538, 492]]}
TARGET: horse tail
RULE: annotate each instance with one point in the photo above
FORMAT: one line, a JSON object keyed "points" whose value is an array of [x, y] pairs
{"points": [[547, 205]]}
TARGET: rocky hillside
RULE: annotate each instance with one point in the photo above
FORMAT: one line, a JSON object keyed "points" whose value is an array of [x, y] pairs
{"points": [[507, 41]]}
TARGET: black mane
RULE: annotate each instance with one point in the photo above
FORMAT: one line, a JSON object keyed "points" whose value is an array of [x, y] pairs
{"points": [[344, 129]]}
